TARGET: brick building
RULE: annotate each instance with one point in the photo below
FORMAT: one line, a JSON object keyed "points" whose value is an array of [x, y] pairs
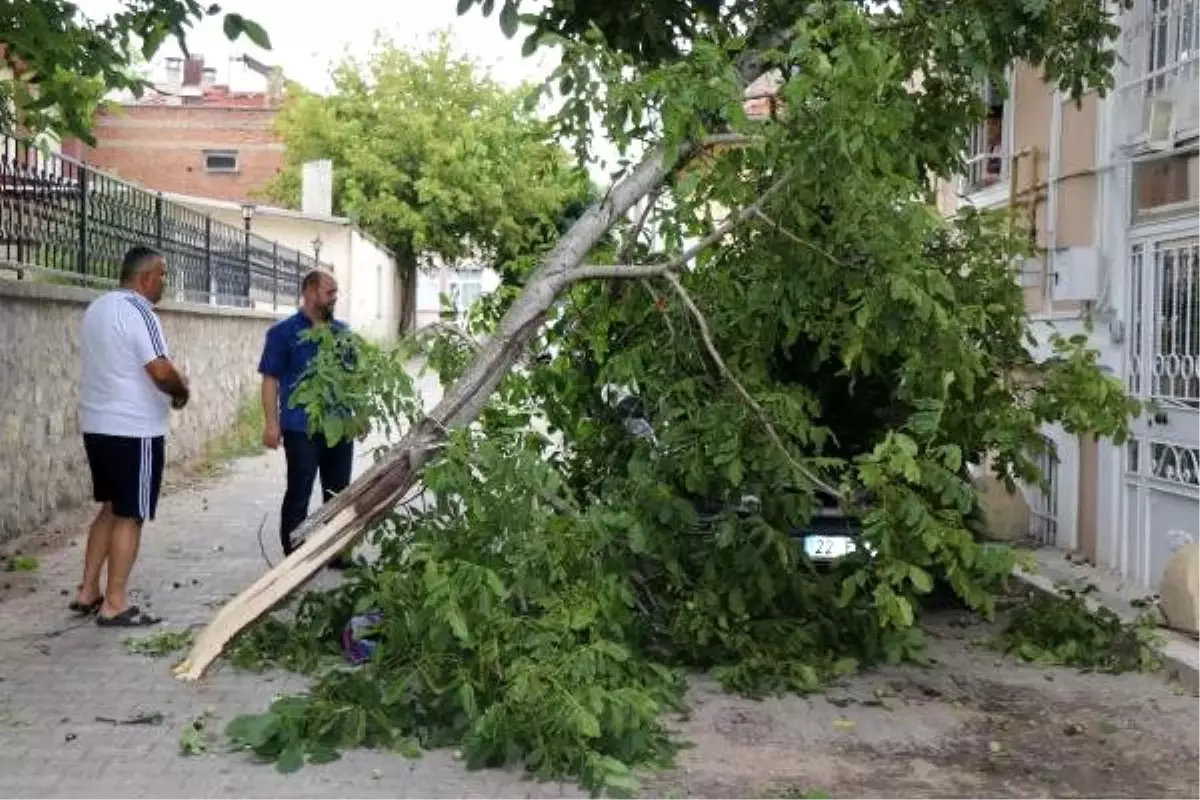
{"points": [[191, 135]]}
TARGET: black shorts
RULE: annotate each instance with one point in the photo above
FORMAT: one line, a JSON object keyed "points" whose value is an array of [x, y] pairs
{"points": [[126, 472]]}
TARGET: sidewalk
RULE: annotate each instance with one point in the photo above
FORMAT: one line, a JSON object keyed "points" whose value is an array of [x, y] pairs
{"points": [[1180, 655], [202, 549]]}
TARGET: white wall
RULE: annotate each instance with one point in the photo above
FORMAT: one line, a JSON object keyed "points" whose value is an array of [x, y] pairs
{"points": [[439, 280], [372, 290], [367, 276]]}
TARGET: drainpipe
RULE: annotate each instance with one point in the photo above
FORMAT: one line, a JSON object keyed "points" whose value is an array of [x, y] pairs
{"points": [[1053, 169]]}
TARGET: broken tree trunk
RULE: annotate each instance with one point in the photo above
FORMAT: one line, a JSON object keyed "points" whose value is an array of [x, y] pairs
{"points": [[341, 521]]}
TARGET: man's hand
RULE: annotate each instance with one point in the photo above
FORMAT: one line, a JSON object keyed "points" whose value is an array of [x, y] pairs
{"points": [[271, 436], [169, 380]]}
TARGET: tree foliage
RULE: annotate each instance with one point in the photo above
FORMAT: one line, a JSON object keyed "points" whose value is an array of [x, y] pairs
{"points": [[544, 609], [61, 63], [433, 157]]}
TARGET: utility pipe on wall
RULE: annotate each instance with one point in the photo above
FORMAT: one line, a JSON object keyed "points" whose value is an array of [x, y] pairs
{"points": [[1052, 179]]}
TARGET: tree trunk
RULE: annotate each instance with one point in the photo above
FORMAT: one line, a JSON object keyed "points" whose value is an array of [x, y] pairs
{"points": [[409, 278], [338, 523]]}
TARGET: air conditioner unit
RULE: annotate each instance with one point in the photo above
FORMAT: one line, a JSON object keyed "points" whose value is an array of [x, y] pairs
{"points": [[1160, 124]]}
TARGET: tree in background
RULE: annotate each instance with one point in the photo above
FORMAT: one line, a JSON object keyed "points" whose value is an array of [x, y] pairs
{"points": [[60, 63], [435, 159]]}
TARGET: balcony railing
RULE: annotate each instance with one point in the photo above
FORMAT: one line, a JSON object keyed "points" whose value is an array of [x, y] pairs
{"points": [[64, 221]]}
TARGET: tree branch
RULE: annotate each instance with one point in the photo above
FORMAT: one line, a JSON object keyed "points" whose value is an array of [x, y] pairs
{"points": [[763, 417], [802, 242], [591, 271], [434, 328]]}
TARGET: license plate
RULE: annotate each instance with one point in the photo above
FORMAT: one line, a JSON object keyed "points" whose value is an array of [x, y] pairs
{"points": [[827, 548]]}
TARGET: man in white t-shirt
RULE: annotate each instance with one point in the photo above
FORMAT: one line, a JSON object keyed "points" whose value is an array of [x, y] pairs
{"points": [[128, 389]]}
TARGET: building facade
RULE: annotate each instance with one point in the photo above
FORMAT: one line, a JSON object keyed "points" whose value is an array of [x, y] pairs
{"points": [[1111, 191], [369, 283], [192, 135]]}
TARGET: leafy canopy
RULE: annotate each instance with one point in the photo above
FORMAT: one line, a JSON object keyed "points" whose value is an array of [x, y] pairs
{"points": [[544, 604], [431, 156], [60, 63]]}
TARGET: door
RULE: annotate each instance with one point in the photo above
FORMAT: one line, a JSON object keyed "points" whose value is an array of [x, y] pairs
{"points": [[1161, 498]]}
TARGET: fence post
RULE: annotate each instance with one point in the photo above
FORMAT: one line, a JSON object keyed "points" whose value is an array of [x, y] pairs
{"points": [[208, 265], [158, 220], [83, 219], [275, 276]]}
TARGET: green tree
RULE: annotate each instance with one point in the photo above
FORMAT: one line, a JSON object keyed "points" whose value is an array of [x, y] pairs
{"points": [[434, 158], [803, 325], [60, 62]]}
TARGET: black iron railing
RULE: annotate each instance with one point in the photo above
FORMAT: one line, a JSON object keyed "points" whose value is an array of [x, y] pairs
{"points": [[63, 221]]}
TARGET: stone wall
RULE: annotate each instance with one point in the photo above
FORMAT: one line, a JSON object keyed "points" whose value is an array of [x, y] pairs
{"points": [[42, 466]]}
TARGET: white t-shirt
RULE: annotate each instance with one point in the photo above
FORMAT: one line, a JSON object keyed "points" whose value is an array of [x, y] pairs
{"points": [[120, 335]]}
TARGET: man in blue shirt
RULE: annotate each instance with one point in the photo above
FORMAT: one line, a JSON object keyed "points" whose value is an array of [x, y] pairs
{"points": [[285, 357]]}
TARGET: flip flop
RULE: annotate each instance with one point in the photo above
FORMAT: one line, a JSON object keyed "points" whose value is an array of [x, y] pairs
{"points": [[132, 617], [86, 609]]}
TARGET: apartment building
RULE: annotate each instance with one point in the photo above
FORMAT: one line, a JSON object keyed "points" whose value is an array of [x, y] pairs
{"points": [[1110, 186], [193, 133]]}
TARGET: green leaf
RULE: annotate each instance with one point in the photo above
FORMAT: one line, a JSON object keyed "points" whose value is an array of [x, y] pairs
{"points": [[291, 758], [256, 33], [509, 20], [252, 730], [921, 580], [530, 45]]}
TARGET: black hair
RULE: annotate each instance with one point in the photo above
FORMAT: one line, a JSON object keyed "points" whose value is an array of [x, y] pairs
{"points": [[135, 259]]}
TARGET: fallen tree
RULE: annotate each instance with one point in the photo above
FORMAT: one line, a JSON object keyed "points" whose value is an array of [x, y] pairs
{"points": [[826, 335]]}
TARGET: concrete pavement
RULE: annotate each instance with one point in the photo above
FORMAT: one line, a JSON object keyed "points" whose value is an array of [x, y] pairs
{"points": [[201, 549]]}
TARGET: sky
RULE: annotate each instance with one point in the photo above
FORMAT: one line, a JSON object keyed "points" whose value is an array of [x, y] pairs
{"points": [[308, 36]]}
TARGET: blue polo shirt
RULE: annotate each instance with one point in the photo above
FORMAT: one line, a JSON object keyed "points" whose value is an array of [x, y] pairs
{"points": [[285, 357]]}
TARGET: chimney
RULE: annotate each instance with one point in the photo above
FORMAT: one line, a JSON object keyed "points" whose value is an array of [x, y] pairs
{"points": [[274, 87], [193, 70], [208, 78], [174, 74], [316, 187]]}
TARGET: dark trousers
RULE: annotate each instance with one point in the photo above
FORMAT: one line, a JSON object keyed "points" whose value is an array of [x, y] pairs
{"points": [[306, 457]]}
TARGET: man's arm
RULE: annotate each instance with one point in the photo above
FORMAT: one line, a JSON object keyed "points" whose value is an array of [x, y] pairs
{"points": [[272, 366], [270, 404], [150, 346], [169, 380]]}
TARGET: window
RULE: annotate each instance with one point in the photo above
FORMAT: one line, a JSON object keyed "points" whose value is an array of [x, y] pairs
{"points": [[220, 161], [987, 155], [465, 288], [427, 292], [1174, 28], [1165, 183]]}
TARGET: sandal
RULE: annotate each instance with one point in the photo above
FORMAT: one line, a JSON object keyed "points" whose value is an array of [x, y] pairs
{"points": [[132, 617], [86, 609]]}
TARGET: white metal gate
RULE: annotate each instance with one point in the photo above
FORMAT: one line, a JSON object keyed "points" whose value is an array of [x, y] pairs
{"points": [[1043, 500], [1162, 461]]}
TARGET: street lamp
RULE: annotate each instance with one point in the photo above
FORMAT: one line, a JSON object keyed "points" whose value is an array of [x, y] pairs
{"points": [[316, 243], [247, 215]]}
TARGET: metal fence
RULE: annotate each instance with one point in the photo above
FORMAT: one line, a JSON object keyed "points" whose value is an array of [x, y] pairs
{"points": [[62, 221]]}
